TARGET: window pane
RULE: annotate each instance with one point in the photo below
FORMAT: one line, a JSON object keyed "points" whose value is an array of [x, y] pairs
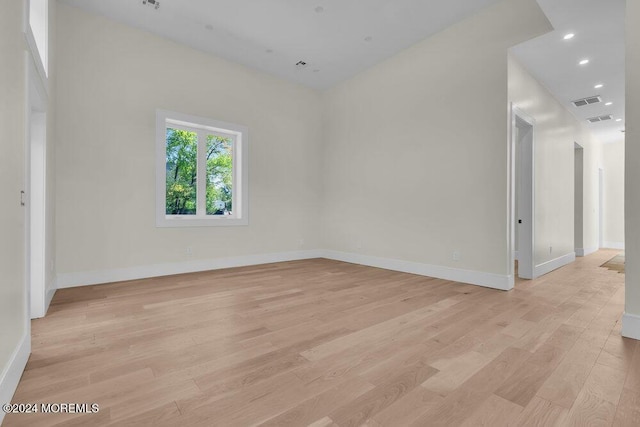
{"points": [[219, 175], [182, 167]]}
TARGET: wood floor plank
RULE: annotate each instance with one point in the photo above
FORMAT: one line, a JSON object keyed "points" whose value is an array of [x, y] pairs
{"points": [[315, 408], [628, 411], [541, 413], [494, 412], [597, 402], [382, 396], [408, 409]]}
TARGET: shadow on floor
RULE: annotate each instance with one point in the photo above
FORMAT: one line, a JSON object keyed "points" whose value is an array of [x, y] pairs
{"points": [[616, 263]]}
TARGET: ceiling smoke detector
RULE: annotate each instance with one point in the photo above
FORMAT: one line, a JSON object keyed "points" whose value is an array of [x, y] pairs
{"points": [[587, 101], [155, 3], [600, 118]]}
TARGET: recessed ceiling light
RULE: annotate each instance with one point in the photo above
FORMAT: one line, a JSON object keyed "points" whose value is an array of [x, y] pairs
{"points": [[319, 9], [269, 50], [608, 103], [209, 27], [569, 36], [598, 86], [316, 71], [368, 38], [584, 62], [618, 120]]}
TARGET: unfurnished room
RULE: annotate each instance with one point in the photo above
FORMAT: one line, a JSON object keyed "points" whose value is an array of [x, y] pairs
{"points": [[320, 213]]}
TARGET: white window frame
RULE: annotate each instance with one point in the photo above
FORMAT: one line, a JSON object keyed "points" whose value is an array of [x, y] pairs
{"points": [[203, 126], [37, 33]]}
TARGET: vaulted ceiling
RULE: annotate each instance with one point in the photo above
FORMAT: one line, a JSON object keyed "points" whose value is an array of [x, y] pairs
{"points": [[336, 39]]}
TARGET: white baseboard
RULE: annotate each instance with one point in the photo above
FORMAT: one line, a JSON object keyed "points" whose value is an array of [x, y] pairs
{"points": [[631, 326], [480, 278], [83, 278], [48, 297], [554, 264], [613, 245], [11, 376], [585, 251], [490, 280]]}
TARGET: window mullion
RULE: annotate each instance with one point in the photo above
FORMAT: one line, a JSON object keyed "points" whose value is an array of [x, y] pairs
{"points": [[201, 179]]}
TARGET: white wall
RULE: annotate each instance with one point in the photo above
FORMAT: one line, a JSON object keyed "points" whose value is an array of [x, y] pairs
{"points": [[556, 132], [415, 161], [613, 165], [111, 79], [13, 314], [631, 321]]}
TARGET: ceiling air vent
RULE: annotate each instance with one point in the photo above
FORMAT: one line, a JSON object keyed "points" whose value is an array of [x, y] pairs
{"points": [[586, 101], [154, 3], [599, 118]]}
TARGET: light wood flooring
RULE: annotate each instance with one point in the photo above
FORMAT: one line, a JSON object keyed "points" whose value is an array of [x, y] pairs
{"points": [[325, 343]]}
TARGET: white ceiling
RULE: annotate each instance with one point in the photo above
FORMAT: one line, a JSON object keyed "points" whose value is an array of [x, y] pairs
{"points": [[598, 26], [339, 38], [273, 35]]}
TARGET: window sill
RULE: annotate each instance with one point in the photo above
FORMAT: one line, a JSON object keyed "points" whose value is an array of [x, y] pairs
{"points": [[219, 221]]}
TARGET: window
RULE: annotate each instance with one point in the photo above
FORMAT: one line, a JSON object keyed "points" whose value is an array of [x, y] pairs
{"points": [[39, 25], [201, 172]]}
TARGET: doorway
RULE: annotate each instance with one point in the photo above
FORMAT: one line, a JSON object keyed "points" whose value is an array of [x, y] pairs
{"points": [[35, 195], [522, 195]]}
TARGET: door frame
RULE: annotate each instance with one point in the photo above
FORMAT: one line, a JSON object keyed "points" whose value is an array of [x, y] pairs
{"points": [[526, 264], [35, 192], [578, 192], [601, 207]]}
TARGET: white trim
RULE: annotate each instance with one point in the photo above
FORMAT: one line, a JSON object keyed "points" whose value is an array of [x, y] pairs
{"points": [[601, 207], [35, 186], [613, 245], [489, 280], [631, 326], [526, 267], [51, 292], [11, 375], [585, 252], [70, 280], [554, 264]]}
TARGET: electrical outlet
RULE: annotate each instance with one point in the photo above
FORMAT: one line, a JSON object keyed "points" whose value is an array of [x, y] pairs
{"points": [[455, 255], [189, 250], [301, 243], [358, 244]]}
